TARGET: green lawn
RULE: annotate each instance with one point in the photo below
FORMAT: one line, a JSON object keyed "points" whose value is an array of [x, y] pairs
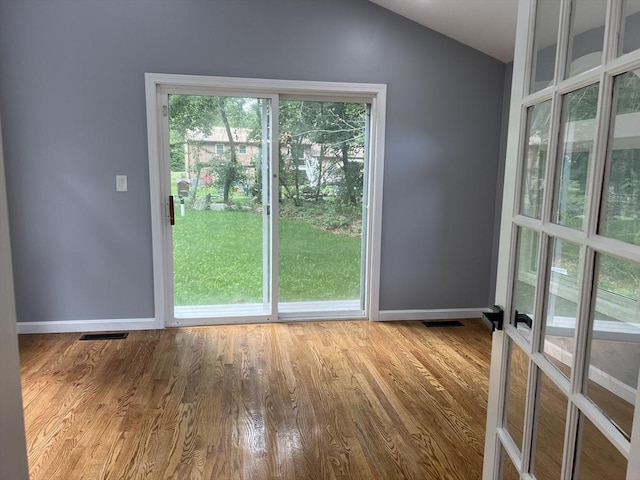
{"points": [[218, 260]]}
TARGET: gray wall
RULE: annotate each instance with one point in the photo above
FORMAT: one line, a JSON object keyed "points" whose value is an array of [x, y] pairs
{"points": [[72, 99]]}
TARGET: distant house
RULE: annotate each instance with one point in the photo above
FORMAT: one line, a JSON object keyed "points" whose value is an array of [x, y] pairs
{"points": [[203, 150]]}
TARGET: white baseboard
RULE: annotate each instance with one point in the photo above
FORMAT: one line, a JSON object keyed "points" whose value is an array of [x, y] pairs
{"points": [[436, 314], [104, 325], [76, 326]]}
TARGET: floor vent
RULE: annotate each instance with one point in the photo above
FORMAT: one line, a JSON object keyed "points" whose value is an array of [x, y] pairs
{"points": [[104, 336], [443, 323]]}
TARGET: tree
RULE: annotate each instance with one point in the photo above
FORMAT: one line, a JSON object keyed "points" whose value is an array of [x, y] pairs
{"points": [[296, 120], [176, 151], [338, 129], [341, 129], [189, 114]]}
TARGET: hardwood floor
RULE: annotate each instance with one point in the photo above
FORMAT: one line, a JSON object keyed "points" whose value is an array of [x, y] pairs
{"points": [[332, 400]]}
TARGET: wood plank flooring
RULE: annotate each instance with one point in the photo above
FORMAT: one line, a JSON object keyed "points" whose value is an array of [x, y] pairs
{"points": [[331, 400]]}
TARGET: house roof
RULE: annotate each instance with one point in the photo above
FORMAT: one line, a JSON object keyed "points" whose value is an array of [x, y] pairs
{"points": [[219, 135]]}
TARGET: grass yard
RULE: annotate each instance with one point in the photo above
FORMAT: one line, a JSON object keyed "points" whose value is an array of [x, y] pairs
{"points": [[218, 260]]}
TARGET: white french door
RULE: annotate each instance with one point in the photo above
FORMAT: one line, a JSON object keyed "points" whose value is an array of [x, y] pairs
{"points": [[563, 400], [222, 164]]}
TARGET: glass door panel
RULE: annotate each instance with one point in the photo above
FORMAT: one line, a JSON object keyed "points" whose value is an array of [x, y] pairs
{"points": [[586, 37], [546, 44], [509, 471], [614, 352], [596, 457], [551, 413], [323, 163], [535, 160], [516, 398], [621, 195], [524, 289], [562, 297], [630, 28], [219, 171], [578, 135]]}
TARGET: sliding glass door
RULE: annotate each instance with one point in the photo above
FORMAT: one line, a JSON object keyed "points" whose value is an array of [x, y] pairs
{"points": [[220, 194], [265, 198], [323, 164]]}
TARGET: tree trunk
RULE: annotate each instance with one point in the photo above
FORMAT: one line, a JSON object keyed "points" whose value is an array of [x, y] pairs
{"points": [[344, 149], [320, 173], [295, 153], [198, 168], [232, 145]]}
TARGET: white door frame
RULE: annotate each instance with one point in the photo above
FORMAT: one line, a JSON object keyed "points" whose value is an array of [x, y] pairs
{"points": [[156, 83], [496, 435]]}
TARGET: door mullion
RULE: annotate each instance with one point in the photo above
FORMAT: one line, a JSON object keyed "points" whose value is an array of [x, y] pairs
{"points": [[579, 369], [567, 10], [266, 219], [530, 419], [613, 28], [596, 173], [552, 160], [274, 182]]}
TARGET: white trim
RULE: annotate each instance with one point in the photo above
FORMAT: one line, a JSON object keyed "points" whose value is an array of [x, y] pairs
{"points": [[282, 318], [497, 372], [435, 314], [321, 316], [269, 86], [156, 202], [76, 326], [516, 124], [510, 448], [160, 84], [374, 216], [201, 322]]}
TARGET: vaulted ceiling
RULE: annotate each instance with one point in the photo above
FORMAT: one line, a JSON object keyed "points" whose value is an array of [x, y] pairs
{"points": [[486, 25]]}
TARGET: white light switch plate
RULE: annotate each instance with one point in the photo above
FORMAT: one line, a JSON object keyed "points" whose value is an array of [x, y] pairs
{"points": [[121, 183]]}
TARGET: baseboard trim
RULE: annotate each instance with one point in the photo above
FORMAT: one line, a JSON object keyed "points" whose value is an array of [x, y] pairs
{"points": [[76, 326], [436, 314], [105, 325]]}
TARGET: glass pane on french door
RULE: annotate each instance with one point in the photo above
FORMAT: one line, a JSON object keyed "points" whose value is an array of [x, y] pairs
{"points": [[219, 158], [323, 165]]}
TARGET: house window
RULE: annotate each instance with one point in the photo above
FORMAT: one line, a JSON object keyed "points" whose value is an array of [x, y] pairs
{"points": [[242, 148], [219, 148]]}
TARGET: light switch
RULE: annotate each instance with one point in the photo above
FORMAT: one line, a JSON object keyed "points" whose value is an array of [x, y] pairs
{"points": [[121, 183]]}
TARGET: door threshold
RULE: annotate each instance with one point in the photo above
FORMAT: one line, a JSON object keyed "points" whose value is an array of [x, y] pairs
{"points": [[259, 313]]}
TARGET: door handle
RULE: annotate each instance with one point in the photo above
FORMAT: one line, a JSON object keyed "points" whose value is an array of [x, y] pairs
{"points": [[523, 318], [172, 214]]}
